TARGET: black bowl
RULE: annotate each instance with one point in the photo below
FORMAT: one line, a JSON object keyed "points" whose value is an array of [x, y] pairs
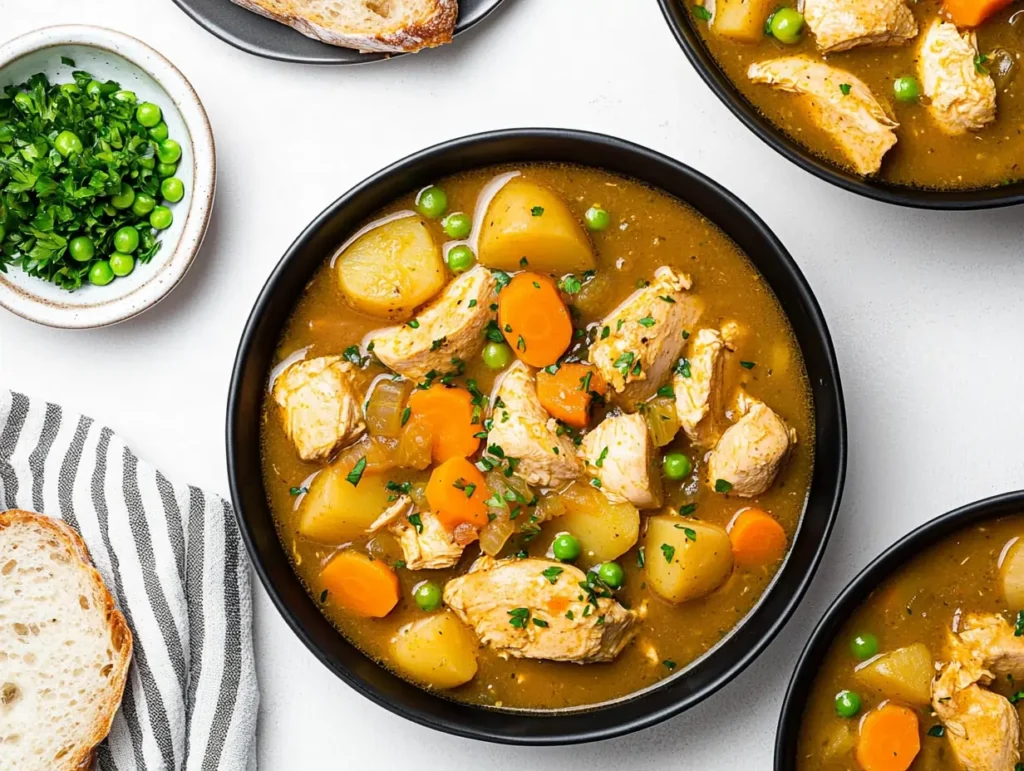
{"points": [[856, 592], [702, 60], [253, 362]]}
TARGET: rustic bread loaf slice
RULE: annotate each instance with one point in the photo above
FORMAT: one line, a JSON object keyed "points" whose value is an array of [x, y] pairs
{"points": [[64, 648], [389, 26]]}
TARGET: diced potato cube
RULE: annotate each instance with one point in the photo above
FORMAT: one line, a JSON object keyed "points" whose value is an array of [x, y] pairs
{"points": [[904, 674], [335, 511], [605, 530], [742, 20], [685, 559], [438, 652], [528, 220]]}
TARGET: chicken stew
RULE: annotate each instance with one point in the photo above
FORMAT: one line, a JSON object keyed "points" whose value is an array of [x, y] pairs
{"points": [[534, 418], [928, 672], [925, 94]]}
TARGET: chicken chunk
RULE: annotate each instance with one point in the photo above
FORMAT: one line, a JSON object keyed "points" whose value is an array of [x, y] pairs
{"points": [[839, 25], [839, 103], [504, 599], [450, 327], [698, 387], [990, 642], [320, 405], [523, 430], [645, 337], [961, 96], [751, 451], [620, 454], [427, 547]]}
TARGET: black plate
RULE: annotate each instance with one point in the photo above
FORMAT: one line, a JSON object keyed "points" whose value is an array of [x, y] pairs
{"points": [[255, 357], [261, 36], [851, 598], [702, 60]]}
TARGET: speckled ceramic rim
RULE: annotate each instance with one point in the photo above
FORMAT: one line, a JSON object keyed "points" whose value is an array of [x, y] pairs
{"points": [[856, 592], [168, 267], [690, 685], [919, 198]]}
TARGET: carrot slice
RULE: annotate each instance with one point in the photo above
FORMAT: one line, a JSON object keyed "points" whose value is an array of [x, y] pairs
{"points": [[757, 539], [363, 586], [448, 412], [534, 319], [889, 739], [457, 492], [566, 395], [971, 13]]}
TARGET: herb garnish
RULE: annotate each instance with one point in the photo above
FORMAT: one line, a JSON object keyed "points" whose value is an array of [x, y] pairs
{"points": [[600, 458], [748, 364], [701, 13], [417, 522], [669, 551], [537, 211], [687, 509], [356, 473], [722, 486], [646, 321], [552, 573], [519, 617], [845, 88], [299, 490]]}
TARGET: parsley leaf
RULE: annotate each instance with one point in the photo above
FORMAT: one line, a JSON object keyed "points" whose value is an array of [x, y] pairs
{"points": [[356, 473]]}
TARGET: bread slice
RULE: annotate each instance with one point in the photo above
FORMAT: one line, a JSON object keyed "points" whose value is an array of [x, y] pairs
{"points": [[388, 26], [64, 648]]}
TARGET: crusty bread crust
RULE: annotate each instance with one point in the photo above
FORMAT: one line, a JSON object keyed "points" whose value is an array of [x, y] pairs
{"points": [[81, 758], [433, 30]]}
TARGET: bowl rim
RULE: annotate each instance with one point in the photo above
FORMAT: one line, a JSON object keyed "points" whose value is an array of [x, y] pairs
{"points": [[882, 567], [173, 266], [918, 198], [832, 486]]}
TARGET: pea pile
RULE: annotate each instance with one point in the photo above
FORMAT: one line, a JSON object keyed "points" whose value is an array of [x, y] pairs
{"points": [[86, 176]]}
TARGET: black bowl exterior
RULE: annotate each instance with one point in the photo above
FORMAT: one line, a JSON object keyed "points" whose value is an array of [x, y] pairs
{"points": [[856, 592], [693, 46], [254, 360]]}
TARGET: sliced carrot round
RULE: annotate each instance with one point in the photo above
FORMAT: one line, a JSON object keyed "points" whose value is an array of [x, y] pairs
{"points": [[361, 585], [534, 319], [757, 538], [457, 492], [566, 394], [448, 412], [889, 739]]}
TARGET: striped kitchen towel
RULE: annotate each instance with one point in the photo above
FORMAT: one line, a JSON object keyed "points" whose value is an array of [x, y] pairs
{"points": [[172, 557]]}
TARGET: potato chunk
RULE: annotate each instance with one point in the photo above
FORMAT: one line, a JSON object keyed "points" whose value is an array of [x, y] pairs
{"points": [[528, 220], [605, 530], [742, 20], [392, 269], [1011, 574], [904, 674], [685, 559], [438, 652], [334, 511]]}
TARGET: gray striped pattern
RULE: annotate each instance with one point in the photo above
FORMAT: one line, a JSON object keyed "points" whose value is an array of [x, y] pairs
{"points": [[172, 557]]}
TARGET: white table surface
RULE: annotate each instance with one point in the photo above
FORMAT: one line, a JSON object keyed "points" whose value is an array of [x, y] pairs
{"points": [[925, 310]]}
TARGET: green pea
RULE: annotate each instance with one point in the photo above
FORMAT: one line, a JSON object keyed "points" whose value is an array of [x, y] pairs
{"points": [[165, 170], [24, 101], [168, 151], [460, 258], [159, 132], [864, 646], [847, 704], [147, 163], [121, 264], [597, 218], [457, 225], [612, 574], [100, 273], [125, 96], [143, 205], [67, 142], [81, 249], [124, 199], [161, 217], [497, 355], [786, 25], [566, 547], [906, 89], [676, 465], [172, 189], [94, 88], [432, 202], [427, 595], [126, 240], [147, 113]]}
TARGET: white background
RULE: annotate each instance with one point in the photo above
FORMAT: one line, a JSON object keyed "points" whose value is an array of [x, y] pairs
{"points": [[925, 310]]}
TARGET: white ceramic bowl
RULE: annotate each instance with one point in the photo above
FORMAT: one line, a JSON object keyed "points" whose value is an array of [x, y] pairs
{"points": [[110, 55]]}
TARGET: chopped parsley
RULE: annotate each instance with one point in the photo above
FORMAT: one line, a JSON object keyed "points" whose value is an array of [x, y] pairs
{"points": [[669, 551], [722, 486], [519, 617], [405, 415], [521, 344], [417, 522], [585, 382], [641, 556], [667, 392], [689, 532], [523, 262], [472, 303], [569, 615], [748, 364], [937, 731], [687, 509], [646, 321], [605, 331], [683, 368], [413, 324], [595, 482], [600, 458], [979, 64], [701, 13], [299, 490], [493, 333], [353, 355], [436, 344], [570, 285], [552, 573], [323, 596], [686, 335], [845, 88], [537, 211], [399, 564], [669, 664], [1018, 628], [666, 298], [399, 487], [356, 473], [540, 622], [624, 362], [502, 278]]}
